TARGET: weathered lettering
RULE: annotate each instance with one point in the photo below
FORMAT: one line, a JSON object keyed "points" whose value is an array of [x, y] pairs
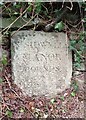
{"points": [[41, 62]]}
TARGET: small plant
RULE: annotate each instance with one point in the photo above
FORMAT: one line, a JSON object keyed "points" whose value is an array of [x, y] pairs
{"points": [[21, 110], [9, 113], [62, 98], [75, 88], [4, 60], [1, 80], [73, 94], [52, 101], [59, 26], [38, 7], [78, 46]]}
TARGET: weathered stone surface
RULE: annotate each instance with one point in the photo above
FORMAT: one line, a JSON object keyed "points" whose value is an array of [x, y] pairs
{"points": [[41, 62], [6, 22]]}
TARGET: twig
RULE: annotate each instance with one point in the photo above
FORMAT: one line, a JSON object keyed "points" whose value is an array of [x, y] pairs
{"points": [[18, 96], [24, 20], [81, 17], [15, 93], [29, 110], [12, 89], [24, 24], [74, 26], [5, 103], [67, 6], [57, 19], [45, 8], [71, 5], [17, 18], [8, 27], [81, 70], [8, 81], [5, 8], [75, 50]]}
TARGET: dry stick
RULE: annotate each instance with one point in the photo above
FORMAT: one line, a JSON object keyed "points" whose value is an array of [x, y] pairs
{"points": [[67, 6], [45, 8], [8, 81], [12, 89], [29, 111], [5, 103], [49, 26], [81, 17], [73, 25], [8, 27], [5, 8], [17, 96], [23, 101], [71, 5], [24, 20], [16, 19], [24, 24]]}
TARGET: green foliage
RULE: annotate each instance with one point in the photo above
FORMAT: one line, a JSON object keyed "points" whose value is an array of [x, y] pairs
{"points": [[78, 46], [75, 86], [83, 4], [38, 7], [59, 26], [21, 110], [1, 80], [9, 113], [30, 9], [52, 101], [73, 94], [17, 5], [72, 45], [4, 60], [62, 98]]}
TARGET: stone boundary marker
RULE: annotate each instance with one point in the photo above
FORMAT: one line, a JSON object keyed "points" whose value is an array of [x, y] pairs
{"points": [[41, 62]]}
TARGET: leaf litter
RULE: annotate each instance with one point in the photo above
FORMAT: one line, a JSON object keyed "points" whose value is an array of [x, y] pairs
{"points": [[68, 104]]}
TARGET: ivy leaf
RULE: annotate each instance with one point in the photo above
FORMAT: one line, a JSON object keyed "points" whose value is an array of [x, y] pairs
{"points": [[16, 13], [17, 6], [4, 60], [59, 26], [52, 100], [62, 98], [76, 87], [73, 42], [9, 113], [73, 94], [77, 65], [38, 7], [21, 110], [71, 47]]}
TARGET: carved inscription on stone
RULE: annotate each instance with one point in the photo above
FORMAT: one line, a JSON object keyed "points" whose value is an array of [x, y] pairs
{"points": [[40, 63]]}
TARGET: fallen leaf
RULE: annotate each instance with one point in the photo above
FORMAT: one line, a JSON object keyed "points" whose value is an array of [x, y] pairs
{"points": [[73, 94], [31, 104], [9, 113], [21, 110], [52, 100]]}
